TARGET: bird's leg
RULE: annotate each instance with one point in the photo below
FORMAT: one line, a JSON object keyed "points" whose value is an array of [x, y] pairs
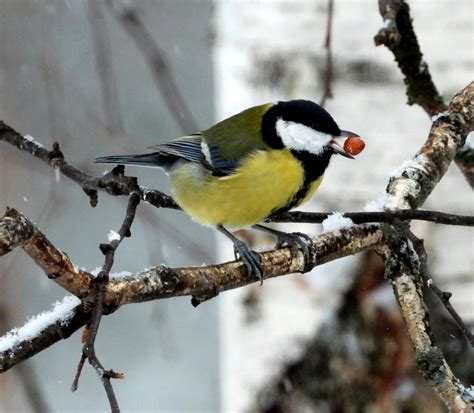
{"points": [[294, 240], [250, 258]]}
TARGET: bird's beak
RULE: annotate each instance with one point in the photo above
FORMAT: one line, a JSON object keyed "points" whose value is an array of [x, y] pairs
{"points": [[337, 148], [346, 134]]}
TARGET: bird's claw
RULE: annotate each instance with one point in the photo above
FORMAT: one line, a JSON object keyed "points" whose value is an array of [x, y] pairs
{"points": [[295, 241], [250, 258]]}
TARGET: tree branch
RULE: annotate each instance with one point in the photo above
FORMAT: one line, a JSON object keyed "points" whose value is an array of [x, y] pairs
{"points": [[402, 265], [160, 70], [200, 282], [388, 217], [114, 183], [328, 72], [399, 37]]}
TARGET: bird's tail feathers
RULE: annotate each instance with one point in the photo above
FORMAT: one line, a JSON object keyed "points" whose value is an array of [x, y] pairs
{"points": [[156, 160]]}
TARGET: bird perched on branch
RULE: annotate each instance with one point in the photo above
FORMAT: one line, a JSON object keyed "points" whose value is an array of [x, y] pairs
{"points": [[265, 160]]}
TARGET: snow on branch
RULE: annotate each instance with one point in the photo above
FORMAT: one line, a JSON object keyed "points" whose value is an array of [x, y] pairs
{"points": [[398, 35], [201, 283], [61, 313]]}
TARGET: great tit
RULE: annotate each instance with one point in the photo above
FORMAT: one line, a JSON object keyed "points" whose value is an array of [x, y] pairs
{"points": [[260, 162]]}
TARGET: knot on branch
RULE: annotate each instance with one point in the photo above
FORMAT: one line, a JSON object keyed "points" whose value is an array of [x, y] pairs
{"points": [[168, 277], [56, 157], [15, 229], [431, 361], [116, 183]]}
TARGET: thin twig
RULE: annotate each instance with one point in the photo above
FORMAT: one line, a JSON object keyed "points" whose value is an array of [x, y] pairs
{"points": [[418, 246], [328, 72], [399, 37], [382, 216], [157, 62], [104, 67], [114, 182], [98, 295]]}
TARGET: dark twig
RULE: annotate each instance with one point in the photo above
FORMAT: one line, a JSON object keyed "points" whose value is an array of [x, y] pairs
{"points": [[114, 183], [328, 72], [382, 216], [418, 246], [105, 70], [157, 63], [98, 295], [444, 297], [399, 37]]}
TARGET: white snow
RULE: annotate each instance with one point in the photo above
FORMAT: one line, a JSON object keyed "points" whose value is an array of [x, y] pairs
{"points": [[378, 204], [408, 167], [31, 139], [336, 221], [387, 23], [120, 274], [113, 236], [57, 174], [62, 311], [438, 115]]}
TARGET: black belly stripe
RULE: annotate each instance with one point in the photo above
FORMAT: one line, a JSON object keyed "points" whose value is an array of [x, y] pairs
{"points": [[314, 167]]}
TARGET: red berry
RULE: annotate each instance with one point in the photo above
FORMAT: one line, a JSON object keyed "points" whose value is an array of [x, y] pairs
{"points": [[354, 145]]}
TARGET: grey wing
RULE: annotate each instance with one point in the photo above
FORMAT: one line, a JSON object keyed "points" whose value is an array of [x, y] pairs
{"points": [[195, 149], [187, 147]]}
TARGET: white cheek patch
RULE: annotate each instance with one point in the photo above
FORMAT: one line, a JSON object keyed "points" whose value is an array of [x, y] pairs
{"points": [[302, 138]]}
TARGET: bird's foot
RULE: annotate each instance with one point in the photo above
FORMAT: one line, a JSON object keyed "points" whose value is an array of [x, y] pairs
{"points": [[295, 241], [250, 258]]}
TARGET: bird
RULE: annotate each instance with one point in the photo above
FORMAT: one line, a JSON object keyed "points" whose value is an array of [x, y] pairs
{"points": [[263, 161]]}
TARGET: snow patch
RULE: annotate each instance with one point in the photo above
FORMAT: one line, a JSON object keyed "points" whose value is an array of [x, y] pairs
{"points": [[378, 204], [57, 174], [31, 139], [62, 311], [438, 116], [113, 236], [120, 274], [336, 221], [408, 167]]}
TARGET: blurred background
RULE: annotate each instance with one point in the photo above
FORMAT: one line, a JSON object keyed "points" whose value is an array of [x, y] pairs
{"points": [[82, 73]]}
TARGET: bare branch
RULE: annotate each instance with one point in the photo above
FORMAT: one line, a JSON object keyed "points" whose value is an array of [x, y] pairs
{"points": [[104, 67], [447, 135], [383, 216], [98, 294], [144, 40], [399, 36], [419, 248], [114, 183], [17, 230], [429, 358], [200, 282], [410, 190], [328, 73]]}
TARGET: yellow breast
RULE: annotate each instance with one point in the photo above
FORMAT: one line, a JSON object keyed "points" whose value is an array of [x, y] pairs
{"points": [[265, 182]]}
